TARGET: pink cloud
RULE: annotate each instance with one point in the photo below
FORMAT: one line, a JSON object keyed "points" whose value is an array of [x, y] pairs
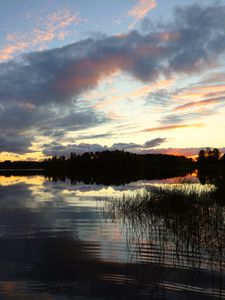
{"points": [[78, 79], [47, 28], [169, 36], [197, 104], [199, 92], [140, 10]]}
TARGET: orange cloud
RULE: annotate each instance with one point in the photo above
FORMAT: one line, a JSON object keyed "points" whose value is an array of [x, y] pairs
{"points": [[172, 127], [210, 88]]}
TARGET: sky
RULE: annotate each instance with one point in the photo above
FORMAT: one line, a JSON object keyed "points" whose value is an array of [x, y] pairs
{"points": [[145, 76]]}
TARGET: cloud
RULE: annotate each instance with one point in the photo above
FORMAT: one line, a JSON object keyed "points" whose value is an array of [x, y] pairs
{"points": [[16, 120], [77, 120], [159, 98], [197, 104], [180, 151], [62, 75], [172, 127], [173, 119], [93, 136], [140, 92], [7, 52], [141, 9], [147, 147], [43, 89], [201, 91], [59, 149], [124, 146], [154, 143], [53, 26], [15, 143], [204, 95]]}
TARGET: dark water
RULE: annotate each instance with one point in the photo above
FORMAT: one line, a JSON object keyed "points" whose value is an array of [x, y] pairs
{"points": [[58, 241]]}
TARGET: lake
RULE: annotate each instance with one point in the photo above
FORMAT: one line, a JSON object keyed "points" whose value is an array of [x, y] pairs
{"points": [[61, 239]]}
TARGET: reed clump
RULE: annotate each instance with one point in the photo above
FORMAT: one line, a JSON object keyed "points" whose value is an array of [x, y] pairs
{"points": [[192, 217], [162, 201]]}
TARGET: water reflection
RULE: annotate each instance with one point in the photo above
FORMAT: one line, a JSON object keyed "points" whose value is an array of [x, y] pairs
{"points": [[56, 242]]}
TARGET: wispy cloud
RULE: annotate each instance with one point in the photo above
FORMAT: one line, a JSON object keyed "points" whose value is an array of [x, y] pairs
{"points": [[140, 92], [140, 10], [172, 127], [201, 98], [175, 118], [53, 26]]}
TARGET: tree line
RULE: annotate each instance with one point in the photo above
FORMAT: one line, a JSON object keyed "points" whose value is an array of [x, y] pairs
{"points": [[117, 159]]}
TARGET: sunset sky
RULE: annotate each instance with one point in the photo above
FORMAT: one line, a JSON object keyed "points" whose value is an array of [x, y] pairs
{"points": [[141, 75]]}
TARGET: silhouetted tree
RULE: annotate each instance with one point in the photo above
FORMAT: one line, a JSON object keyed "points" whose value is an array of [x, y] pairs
{"points": [[209, 158], [201, 156]]}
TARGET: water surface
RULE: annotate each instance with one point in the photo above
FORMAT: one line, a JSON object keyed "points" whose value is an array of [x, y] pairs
{"points": [[59, 241]]}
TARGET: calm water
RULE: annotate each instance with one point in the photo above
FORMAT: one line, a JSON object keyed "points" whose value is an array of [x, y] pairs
{"points": [[58, 241]]}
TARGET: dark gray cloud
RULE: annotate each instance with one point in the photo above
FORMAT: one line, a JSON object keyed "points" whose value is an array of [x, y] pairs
{"points": [[124, 146], [16, 121], [93, 136], [154, 143], [38, 89], [200, 30], [14, 143], [21, 117], [78, 120]]}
